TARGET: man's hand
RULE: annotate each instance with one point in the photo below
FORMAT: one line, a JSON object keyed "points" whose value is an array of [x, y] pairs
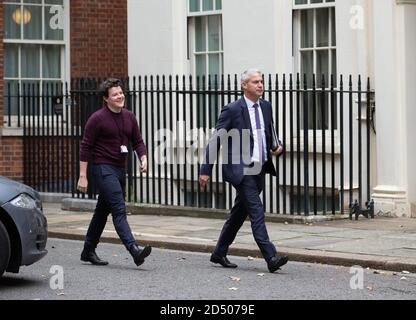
{"points": [[203, 181], [143, 164], [278, 151], [82, 184]]}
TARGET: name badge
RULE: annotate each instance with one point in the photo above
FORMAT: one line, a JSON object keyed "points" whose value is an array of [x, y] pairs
{"points": [[123, 149]]}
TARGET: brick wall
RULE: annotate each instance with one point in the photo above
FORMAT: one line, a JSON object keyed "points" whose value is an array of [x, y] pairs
{"points": [[99, 38], [11, 159]]}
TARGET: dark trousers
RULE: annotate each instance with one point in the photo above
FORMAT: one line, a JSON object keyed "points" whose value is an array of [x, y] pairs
{"points": [[247, 203], [110, 181]]}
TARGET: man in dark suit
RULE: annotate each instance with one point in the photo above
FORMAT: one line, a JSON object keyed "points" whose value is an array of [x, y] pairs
{"points": [[245, 163]]}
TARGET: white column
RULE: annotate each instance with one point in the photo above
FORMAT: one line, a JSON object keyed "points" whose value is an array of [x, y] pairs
{"points": [[408, 17], [391, 193]]}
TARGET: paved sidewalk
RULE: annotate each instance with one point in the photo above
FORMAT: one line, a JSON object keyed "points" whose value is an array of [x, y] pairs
{"points": [[380, 243]]}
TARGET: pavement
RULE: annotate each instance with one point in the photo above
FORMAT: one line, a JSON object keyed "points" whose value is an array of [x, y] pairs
{"points": [[382, 243]]}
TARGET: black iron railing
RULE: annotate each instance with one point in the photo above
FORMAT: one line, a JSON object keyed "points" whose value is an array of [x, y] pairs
{"points": [[325, 169]]}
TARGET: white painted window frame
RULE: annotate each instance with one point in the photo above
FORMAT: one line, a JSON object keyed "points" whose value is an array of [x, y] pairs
{"points": [[65, 54], [205, 53], [192, 33], [298, 50]]}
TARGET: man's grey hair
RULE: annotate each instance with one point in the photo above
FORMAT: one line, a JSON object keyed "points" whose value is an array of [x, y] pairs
{"points": [[248, 73]]}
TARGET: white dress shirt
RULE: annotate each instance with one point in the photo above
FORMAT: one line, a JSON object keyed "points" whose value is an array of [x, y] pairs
{"points": [[251, 111]]}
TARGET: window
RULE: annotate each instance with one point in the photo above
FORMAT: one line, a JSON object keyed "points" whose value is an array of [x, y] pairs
{"points": [[315, 44], [306, 2], [34, 48], [206, 50], [206, 36], [197, 6]]}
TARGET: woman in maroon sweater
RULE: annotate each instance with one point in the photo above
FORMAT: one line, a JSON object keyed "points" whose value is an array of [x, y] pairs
{"points": [[104, 146]]}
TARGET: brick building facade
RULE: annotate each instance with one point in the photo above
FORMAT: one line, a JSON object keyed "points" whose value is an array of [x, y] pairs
{"points": [[98, 38], [96, 47]]}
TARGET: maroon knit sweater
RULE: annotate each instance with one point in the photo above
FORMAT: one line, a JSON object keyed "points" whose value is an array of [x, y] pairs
{"points": [[104, 134]]}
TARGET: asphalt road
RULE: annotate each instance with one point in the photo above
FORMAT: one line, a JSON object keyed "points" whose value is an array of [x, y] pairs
{"points": [[177, 275]]}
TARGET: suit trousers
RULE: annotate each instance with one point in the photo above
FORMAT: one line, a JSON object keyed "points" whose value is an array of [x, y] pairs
{"points": [[110, 181], [247, 203]]}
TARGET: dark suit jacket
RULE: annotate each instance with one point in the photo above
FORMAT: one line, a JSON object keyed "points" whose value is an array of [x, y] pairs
{"points": [[235, 118]]}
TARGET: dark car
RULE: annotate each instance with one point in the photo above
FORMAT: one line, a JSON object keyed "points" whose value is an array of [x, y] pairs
{"points": [[23, 227]]}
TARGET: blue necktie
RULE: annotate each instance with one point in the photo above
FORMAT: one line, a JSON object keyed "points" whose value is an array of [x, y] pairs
{"points": [[260, 133]]}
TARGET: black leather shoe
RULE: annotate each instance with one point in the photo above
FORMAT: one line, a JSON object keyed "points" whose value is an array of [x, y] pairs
{"points": [[139, 254], [91, 256], [222, 261], [276, 262]]}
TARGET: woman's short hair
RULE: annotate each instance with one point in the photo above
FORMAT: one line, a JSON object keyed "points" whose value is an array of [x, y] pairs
{"points": [[107, 84]]}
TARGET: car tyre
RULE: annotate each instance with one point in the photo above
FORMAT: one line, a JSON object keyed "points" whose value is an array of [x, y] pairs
{"points": [[4, 248]]}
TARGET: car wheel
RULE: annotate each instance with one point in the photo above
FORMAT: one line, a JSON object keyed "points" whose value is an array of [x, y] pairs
{"points": [[4, 248]]}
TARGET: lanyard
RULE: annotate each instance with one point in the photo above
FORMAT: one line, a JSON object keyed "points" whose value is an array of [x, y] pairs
{"points": [[120, 132]]}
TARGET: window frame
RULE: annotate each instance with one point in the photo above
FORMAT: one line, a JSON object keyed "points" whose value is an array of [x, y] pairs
{"points": [[207, 105], [309, 5], [330, 48], [206, 52], [298, 45], [202, 12], [41, 43]]}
